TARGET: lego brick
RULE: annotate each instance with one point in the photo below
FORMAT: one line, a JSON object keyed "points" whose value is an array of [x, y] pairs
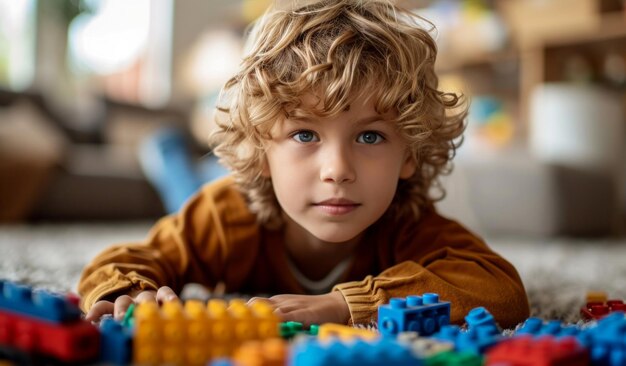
{"points": [[476, 340], [383, 351], [288, 330], [598, 310], [541, 351], [480, 317], [77, 341], [116, 341], [270, 352], [345, 333], [194, 333], [606, 340], [40, 304], [596, 296], [537, 327], [423, 347], [423, 314], [454, 359]]}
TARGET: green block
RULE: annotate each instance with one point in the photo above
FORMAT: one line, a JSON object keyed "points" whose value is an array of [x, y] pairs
{"points": [[454, 359]]}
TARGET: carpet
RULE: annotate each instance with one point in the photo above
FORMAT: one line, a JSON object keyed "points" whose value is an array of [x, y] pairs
{"points": [[557, 272]]}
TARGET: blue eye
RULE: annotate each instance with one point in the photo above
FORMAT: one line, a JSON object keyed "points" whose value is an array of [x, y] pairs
{"points": [[370, 137], [305, 136]]}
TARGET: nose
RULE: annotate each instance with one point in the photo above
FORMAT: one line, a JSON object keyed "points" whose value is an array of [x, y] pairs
{"points": [[337, 165]]}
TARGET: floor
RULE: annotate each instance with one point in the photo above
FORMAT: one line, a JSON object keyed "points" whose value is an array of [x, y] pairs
{"points": [[557, 272]]}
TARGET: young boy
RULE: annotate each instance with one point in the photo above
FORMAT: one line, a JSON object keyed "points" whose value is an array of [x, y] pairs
{"points": [[335, 133]]}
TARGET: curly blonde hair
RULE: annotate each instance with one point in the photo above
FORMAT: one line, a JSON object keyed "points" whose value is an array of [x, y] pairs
{"points": [[338, 49]]}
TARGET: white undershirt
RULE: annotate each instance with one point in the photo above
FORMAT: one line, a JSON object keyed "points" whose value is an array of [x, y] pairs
{"points": [[323, 285]]}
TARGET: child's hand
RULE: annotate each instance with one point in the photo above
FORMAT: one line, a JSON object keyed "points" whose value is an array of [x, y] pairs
{"points": [[310, 309], [121, 304]]}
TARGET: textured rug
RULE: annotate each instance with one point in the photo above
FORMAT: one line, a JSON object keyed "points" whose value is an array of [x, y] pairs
{"points": [[557, 272]]}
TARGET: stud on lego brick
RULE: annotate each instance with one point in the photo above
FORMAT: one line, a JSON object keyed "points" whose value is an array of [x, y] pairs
{"points": [[423, 314]]}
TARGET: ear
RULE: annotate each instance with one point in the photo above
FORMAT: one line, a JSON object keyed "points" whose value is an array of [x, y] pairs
{"points": [[408, 167]]}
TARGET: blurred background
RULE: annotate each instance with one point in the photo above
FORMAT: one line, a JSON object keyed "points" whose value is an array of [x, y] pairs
{"points": [[105, 108]]}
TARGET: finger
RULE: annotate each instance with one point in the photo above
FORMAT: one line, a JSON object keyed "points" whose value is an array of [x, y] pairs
{"points": [[121, 305], [145, 296], [259, 299], [99, 309], [165, 294]]}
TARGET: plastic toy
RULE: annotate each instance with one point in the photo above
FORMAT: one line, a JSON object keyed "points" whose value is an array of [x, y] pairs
{"points": [[45, 324], [606, 340], [541, 351], [116, 341], [195, 333], [480, 317], [423, 314], [454, 359], [423, 347], [345, 333], [476, 340], [598, 310], [40, 304], [270, 352], [289, 330], [537, 327], [383, 351]]}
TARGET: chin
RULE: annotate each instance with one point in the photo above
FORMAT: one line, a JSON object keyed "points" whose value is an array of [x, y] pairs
{"points": [[338, 235]]}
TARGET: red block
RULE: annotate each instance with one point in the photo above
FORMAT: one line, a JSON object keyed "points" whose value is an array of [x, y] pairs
{"points": [[597, 310], [77, 341], [541, 351]]}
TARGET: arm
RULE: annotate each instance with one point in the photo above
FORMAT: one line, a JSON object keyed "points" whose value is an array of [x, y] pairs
{"points": [[192, 246], [441, 256]]}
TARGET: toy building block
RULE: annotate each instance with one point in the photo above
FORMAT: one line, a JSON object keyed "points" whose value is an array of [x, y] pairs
{"points": [[454, 359], [598, 310], [606, 340], [537, 327], [40, 304], [195, 333], [423, 347], [596, 296], [423, 314], [383, 351], [77, 341], [476, 340], [288, 330], [270, 352], [345, 333], [480, 317], [540, 351], [116, 342]]}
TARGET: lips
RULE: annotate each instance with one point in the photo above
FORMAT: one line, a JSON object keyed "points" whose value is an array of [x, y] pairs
{"points": [[337, 206]]}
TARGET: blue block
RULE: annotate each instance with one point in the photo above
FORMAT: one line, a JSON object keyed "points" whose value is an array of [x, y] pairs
{"points": [[606, 341], [423, 314], [480, 317], [537, 327], [476, 340], [40, 304], [116, 342], [384, 351]]}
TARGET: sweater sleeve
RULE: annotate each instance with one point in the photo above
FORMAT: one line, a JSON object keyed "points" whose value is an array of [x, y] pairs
{"points": [[439, 255], [191, 246]]}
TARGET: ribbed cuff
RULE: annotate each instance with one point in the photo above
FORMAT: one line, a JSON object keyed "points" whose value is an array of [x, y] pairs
{"points": [[115, 285], [361, 300]]}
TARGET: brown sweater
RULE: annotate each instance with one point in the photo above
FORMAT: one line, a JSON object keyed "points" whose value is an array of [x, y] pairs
{"points": [[215, 238]]}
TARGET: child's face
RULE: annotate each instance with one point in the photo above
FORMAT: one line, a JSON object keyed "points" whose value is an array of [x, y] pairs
{"points": [[336, 176]]}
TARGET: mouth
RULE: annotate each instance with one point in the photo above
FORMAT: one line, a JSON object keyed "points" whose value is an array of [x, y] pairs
{"points": [[337, 206]]}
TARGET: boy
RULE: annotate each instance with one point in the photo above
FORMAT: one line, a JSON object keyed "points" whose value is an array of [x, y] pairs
{"points": [[335, 133]]}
